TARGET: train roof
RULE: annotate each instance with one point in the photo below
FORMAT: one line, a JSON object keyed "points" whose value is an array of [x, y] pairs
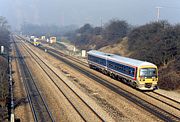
{"points": [[120, 59]]}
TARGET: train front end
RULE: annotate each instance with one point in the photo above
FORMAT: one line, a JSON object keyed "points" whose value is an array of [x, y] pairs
{"points": [[147, 77]]}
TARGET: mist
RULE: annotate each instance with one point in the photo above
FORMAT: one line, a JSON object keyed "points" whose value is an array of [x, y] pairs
{"points": [[79, 12]]}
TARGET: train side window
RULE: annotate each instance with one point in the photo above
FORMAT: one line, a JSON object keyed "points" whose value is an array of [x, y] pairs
{"points": [[132, 73], [111, 65], [124, 69], [128, 70], [114, 66]]}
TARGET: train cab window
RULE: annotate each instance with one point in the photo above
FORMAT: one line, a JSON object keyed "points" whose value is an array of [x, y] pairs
{"points": [[148, 72]]}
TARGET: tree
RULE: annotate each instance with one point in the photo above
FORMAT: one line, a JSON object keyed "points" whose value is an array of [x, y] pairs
{"points": [[159, 37], [4, 32], [97, 31], [3, 23], [86, 29], [116, 29]]}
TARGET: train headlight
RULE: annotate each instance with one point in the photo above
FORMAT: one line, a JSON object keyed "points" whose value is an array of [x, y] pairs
{"points": [[142, 78], [154, 79]]}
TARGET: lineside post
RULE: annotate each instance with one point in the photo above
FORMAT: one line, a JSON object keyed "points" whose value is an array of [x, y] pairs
{"points": [[11, 91]]}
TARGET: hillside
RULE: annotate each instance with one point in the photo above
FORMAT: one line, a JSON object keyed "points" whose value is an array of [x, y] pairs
{"points": [[169, 74], [119, 48]]}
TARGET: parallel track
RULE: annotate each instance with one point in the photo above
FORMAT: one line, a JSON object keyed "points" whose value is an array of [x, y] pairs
{"points": [[175, 105], [155, 110], [167, 97], [37, 103], [166, 100], [38, 60], [159, 112]]}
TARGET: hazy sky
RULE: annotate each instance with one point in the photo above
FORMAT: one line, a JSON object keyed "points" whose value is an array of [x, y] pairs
{"points": [[79, 12]]}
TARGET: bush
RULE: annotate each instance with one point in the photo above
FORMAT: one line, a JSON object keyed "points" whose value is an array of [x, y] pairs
{"points": [[169, 81]]}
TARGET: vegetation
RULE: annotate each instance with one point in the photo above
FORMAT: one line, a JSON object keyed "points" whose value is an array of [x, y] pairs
{"points": [[46, 30], [88, 37], [4, 32], [156, 42], [4, 41]]}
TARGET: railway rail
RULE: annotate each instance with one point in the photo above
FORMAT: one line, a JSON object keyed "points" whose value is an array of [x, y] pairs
{"points": [[166, 100], [162, 98], [92, 115], [166, 97], [37, 103], [155, 110]]}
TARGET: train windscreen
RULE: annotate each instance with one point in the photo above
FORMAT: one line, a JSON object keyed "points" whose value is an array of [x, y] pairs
{"points": [[148, 72]]}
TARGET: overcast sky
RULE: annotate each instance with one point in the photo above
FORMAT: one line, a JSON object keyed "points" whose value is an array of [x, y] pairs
{"points": [[79, 12]]}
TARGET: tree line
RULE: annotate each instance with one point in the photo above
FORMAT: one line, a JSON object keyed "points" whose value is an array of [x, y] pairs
{"points": [[159, 43], [89, 37], [4, 32], [4, 41], [45, 30]]}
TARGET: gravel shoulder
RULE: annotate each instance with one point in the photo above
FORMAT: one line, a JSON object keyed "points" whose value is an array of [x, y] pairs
{"points": [[61, 110], [22, 108]]}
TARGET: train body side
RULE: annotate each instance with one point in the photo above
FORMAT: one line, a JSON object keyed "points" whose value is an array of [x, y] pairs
{"points": [[125, 69]]}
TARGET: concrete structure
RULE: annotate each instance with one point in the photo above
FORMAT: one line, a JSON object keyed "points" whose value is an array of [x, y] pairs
{"points": [[52, 39], [47, 40], [83, 53], [43, 37], [2, 49]]}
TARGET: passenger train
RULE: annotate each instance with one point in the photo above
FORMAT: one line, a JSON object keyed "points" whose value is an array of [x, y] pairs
{"points": [[139, 74]]}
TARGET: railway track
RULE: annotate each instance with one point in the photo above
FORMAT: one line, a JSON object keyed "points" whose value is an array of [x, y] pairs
{"points": [[155, 110], [37, 103], [162, 98], [166, 97], [76, 101], [166, 100]]}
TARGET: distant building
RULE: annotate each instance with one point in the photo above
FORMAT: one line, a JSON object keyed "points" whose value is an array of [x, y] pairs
{"points": [[83, 53], [52, 39], [32, 37], [43, 37]]}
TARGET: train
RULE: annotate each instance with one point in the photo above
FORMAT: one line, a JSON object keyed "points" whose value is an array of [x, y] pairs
{"points": [[35, 42], [139, 74]]}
